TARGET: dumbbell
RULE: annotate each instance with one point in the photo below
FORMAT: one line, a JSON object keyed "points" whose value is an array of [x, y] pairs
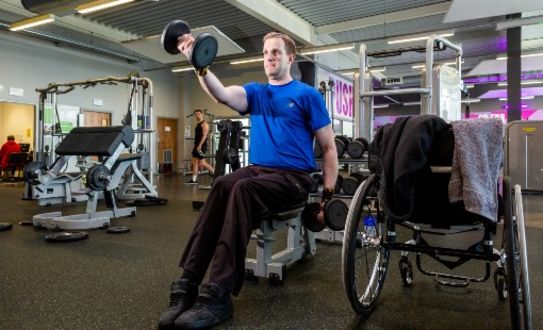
{"points": [[341, 144], [351, 183], [204, 49], [317, 181], [356, 148], [335, 215]]}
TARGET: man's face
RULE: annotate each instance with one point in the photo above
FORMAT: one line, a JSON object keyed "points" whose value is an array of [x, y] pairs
{"points": [[198, 115], [276, 60]]}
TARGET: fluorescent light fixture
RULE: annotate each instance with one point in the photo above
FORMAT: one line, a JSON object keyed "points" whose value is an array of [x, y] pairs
{"points": [[411, 103], [470, 100], [377, 70], [97, 5], [399, 41], [380, 106], [528, 82], [501, 58], [326, 49], [420, 66], [31, 22], [248, 60], [470, 86], [183, 68], [528, 97]]}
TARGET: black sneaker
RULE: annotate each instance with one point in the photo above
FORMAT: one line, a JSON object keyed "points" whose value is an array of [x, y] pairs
{"points": [[183, 294], [192, 182], [212, 307]]}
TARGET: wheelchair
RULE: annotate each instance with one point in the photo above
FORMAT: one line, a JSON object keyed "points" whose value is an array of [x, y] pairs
{"points": [[370, 236]]}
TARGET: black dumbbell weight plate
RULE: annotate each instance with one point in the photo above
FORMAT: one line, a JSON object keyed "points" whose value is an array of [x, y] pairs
{"points": [[4, 226], [170, 35], [309, 218], [335, 214], [204, 51]]}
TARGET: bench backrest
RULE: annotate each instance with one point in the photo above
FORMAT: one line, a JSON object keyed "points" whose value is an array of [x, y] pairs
{"points": [[95, 141]]}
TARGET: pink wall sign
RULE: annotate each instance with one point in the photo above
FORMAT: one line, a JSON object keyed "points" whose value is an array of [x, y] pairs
{"points": [[343, 98]]}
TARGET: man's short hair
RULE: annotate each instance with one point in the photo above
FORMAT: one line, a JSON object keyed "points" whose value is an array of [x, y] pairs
{"points": [[290, 45], [11, 138], [197, 110]]}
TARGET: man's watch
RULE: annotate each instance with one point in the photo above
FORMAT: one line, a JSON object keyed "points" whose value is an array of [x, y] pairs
{"points": [[201, 72]]}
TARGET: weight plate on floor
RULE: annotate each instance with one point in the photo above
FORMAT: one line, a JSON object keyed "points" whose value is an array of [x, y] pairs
{"points": [[117, 230], [5, 226], [64, 236]]}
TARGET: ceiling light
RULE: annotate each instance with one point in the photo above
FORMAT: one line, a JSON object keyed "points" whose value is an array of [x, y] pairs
{"points": [[469, 86], [529, 82], [398, 41], [248, 60], [411, 103], [377, 70], [470, 100], [96, 5], [380, 106], [420, 66], [501, 58], [528, 97], [183, 68], [31, 22], [326, 49]]}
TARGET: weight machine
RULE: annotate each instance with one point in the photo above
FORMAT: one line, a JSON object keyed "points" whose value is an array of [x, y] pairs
{"points": [[138, 180]]}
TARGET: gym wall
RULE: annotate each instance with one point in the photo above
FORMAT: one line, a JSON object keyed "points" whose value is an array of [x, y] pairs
{"points": [[29, 63]]}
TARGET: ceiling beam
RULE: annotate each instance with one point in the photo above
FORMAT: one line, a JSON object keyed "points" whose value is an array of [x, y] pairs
{"points": [[398, 16], [277, 16]]}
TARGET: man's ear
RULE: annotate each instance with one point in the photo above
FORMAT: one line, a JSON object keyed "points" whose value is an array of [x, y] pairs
{"points": [[291, 58]]}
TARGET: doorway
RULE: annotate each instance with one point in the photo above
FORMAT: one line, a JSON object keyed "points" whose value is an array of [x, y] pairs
{"points": [[167, 145], [18, 119], [96, 118]]}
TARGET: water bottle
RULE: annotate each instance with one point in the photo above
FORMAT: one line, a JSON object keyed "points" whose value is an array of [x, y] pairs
{"points": [[369, 226]]}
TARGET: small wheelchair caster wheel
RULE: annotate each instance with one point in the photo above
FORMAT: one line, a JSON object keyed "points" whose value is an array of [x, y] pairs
{"points": [[500, 283], [406, 271], [275, 279], [250, 275]]}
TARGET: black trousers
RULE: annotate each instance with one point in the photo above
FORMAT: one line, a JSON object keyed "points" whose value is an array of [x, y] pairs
{"points": [[232, 210]]}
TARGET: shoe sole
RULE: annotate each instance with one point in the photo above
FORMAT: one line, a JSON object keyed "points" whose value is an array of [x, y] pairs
{"points": [[206, 324]]}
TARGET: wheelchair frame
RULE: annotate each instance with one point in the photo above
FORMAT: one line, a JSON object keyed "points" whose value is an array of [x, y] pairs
{"points": [[364, 283]]}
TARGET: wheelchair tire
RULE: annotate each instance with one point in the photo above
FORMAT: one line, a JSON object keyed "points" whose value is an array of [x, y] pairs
{"points": [[364, 260], [512, 258]]}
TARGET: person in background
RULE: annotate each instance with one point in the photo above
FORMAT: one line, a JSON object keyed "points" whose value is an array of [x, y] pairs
{"points": [[200, 147], [9, 147], [285, 117]]}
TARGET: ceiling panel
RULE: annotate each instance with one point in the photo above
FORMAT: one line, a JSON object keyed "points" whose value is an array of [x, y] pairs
{"points": [[323, 12]]}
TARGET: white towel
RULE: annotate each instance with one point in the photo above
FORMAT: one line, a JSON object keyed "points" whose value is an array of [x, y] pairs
{"points": [[478, 153]]}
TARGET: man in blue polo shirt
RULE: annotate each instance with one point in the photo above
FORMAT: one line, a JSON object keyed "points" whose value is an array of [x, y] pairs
{"points": [[286, 115]]}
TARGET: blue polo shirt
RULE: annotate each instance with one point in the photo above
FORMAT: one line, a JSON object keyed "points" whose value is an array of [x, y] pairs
{"points": [[283, 119]]}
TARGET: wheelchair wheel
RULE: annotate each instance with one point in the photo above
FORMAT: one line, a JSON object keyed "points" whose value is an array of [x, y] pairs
{"points": [[406, 271], [364, 259], [517, 288]]}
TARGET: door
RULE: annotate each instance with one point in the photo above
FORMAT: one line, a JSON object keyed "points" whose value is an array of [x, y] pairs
{"points": [[167, 144], [525, 154], [96, 118]]}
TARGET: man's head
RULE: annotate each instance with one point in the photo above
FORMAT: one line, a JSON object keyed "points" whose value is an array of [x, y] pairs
{"points": [[199, 114], [11, 138], [279, 53]]}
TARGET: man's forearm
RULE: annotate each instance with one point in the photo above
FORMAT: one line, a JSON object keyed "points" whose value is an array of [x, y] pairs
{"points": [[329, 168], [213, 87]]}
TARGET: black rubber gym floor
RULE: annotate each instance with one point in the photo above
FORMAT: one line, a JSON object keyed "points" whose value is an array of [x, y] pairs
{"points": [[122, 281]]}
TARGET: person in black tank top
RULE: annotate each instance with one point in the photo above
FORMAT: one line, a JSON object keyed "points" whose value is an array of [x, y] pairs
{"points": [[200, 147]]}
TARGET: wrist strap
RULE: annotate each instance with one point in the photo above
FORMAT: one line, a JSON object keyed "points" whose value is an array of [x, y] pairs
{"points": [[201, 72], [327, 194]]}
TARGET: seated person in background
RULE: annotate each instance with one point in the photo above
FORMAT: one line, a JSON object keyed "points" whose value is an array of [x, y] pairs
{"points": [[200, 146], [7, 149], [286, 115]]}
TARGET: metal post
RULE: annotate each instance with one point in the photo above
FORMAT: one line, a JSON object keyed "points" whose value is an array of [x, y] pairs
{"points": [[513, 73]]}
